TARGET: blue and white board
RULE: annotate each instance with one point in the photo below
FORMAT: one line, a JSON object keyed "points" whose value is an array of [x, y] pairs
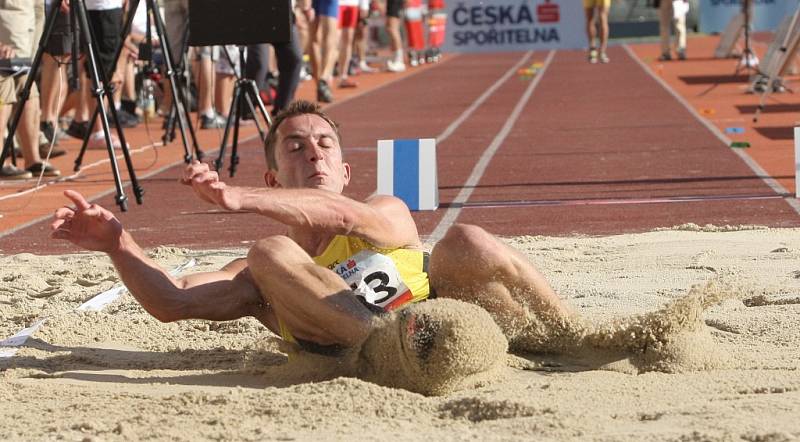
{"points": [[407, 170]]}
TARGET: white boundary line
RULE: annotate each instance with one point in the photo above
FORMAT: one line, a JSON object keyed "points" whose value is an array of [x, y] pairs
{"points": [[97, 196], [754, 166], [8, 347], [475, 104], [477, 172], [479, 101]]}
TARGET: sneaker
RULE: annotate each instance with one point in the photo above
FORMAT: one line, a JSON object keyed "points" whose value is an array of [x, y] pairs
{"points": [[665, 57], [43, 169], [48, 130], [365, 68], [215, 121], [592, 55], [352, 68], [78, 129], [10, 172], [97, 140], [604, 58], [305, 73], [347, 83], [682, 54], [395, 66], [413, 60], [126, 119], [324, 93]]}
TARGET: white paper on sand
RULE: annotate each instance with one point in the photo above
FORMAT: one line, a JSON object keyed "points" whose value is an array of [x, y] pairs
{"points": [[97, 303], [19, 339]]}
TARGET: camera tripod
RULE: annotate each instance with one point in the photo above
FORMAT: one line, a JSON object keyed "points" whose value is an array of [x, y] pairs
{"points": [[78, 15], [177, 97], [749, 59], [245, 92], [174, 112]]}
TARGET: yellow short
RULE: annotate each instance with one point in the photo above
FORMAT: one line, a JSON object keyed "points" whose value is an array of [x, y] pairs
{"points": [[605, 4]]}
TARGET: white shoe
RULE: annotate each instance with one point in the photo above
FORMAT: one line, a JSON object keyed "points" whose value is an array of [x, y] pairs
{"points": [[97, 140], [395, 66], [365, 68]]}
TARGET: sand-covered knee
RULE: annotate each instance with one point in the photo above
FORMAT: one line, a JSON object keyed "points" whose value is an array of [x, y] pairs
{"points": [[434, 347]]}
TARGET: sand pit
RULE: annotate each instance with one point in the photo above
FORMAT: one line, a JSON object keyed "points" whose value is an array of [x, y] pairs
{"points": [[719, 362]]}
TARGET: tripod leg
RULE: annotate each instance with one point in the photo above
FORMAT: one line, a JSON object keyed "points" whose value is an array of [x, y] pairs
{"points": [[241, 99], [231, 114], [98, 80], [248, 96], [169, 126], [177, 103], [85, 142], [260, 104]]}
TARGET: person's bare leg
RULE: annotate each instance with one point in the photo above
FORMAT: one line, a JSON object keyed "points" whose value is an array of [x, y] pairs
{"points": [[664, 28], [591, 30], [345, 51], [223, 92], [471, 265], [311, 301], [28, 132], [395, 40], [5, 113], [602, 17], [52, 74], [205, 86], [330, 43]]}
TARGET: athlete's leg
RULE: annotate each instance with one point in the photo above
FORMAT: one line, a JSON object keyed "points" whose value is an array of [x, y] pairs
{"points": [[591, 30], [602, 17], [471, 265], [311, 301]]}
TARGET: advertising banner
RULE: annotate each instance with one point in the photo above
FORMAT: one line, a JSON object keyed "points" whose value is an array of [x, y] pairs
{"points": [[767, 14], [514, 25]]}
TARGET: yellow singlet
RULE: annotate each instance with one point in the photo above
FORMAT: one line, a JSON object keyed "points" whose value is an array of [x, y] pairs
{"points": [[363, 264], [386, 278]]}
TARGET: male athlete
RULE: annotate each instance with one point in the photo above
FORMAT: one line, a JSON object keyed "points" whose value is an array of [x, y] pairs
{"points": [[340, 263]]}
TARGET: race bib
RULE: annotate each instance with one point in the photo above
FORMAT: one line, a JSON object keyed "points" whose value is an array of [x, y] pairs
{"points": [[374, 277]]}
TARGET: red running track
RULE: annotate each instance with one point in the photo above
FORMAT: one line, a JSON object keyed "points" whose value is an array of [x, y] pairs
{"points": [[579, 148]]}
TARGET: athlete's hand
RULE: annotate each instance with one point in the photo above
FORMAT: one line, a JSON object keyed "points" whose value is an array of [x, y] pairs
{"points": [[209, 188], [87, 225]]}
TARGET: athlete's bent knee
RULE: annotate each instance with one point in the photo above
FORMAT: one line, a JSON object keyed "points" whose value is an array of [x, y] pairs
{"points": [[271, 250]]}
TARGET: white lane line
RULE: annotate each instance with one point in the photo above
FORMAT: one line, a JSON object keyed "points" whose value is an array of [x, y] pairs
{"points": [[9, 347], [479, 101], [475, 104], [126, 184], [751, 163], [477, 172]]}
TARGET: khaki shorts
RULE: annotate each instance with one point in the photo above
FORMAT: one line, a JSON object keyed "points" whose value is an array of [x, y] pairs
{"points": [[10, 87], [21, 24], [605, 4]]}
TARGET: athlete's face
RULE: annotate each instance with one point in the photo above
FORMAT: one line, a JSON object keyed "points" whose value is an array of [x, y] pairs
{"points": [[308, 156]]}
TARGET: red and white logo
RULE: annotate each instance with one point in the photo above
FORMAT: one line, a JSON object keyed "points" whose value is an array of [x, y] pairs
{"points": [[547, 12]]}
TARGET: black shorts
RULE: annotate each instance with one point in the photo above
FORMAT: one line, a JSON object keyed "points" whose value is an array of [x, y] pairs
{"points": [[393, 8], [60, 41], [106, 27]]}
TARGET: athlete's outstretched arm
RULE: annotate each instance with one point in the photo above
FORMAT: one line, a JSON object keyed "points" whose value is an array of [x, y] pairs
{"points": [[222, 295], [385, 221]]}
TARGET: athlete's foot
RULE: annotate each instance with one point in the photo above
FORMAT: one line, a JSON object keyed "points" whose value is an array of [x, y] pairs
{"points": [[592, 55]]}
